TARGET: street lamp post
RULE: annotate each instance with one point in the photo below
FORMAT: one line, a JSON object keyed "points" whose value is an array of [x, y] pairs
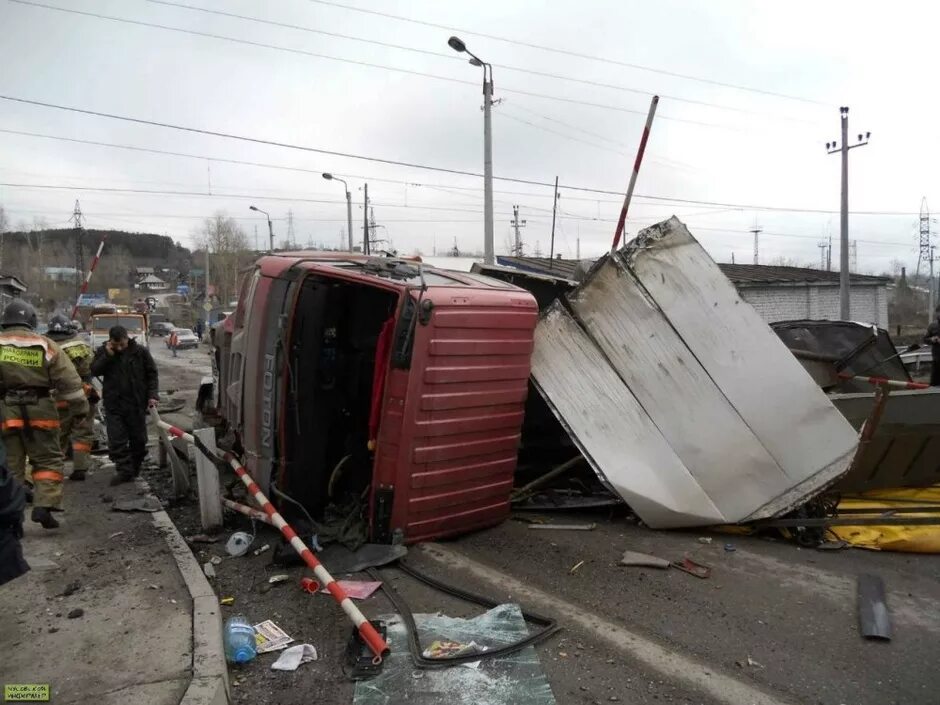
{"points": [[270, 228], [458, 45], [349, 232]]}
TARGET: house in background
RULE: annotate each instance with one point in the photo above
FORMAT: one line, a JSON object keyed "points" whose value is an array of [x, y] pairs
{"points": [[776, 293], [10, 288], [68, 275], [152, 282]]}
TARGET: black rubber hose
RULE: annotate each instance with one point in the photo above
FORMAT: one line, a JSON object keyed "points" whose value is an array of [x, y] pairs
{"points": [[549, 626]]}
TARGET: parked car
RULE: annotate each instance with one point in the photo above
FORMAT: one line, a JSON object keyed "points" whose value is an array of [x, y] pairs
{"points": [[161, 328], [185, 339]]}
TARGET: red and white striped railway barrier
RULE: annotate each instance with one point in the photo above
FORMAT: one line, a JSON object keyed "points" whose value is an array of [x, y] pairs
{"points": [[621, 221], [878, 381], [368, 633], [249, 512], [91, 270]]}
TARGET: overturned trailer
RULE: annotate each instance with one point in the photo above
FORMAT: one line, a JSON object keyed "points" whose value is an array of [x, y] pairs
{"points": [[679, 395], [384, 389]]}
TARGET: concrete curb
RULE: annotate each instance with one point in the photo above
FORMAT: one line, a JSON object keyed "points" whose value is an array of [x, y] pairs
{"points": [[209, 685]]}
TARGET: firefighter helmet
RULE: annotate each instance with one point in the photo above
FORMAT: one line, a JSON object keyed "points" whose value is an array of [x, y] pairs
{"points": [[19, 313], [59, 326]]}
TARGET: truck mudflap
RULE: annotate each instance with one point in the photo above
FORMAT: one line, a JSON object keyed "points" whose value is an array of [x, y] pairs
{"points": [[679, 394]]}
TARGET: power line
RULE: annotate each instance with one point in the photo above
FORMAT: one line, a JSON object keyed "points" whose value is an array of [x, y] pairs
{"points": [[451, 57], [561, 134], [426, 167], [384, 67], [566, 52]]}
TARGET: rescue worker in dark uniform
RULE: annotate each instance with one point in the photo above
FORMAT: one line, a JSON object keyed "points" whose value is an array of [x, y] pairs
{"points": [[129, 386], [79, 431], [31, 369], [932, 338]]}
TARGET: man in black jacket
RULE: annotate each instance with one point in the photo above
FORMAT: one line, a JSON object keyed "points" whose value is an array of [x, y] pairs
{"points": [[932, 337], [129, 387], [12, 503]]}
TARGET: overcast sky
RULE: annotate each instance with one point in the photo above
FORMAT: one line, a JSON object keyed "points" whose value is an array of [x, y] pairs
{"points": [[744, 148]]}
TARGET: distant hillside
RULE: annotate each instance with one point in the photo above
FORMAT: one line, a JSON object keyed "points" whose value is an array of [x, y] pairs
{"points": [[27, 255]]}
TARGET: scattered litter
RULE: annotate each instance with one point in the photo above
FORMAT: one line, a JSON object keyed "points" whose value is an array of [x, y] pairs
{"points": [[687, 565], [172, 601], [202, 538], [575, 567], [291, 658], [643, 560], [153, 587], [564, 527], [371, 555], [280, 578], [753, 664], [705, 539], [259, 551], [70, 589], [239, 640], [873, 618], [115, 534], [444, 649], [58, 554], [142, 504], [730, 547], [209, 570], [238, 543], [215, 560], [358, 589], [270, 637], [76, 613], [832, 545], [309, 585], [227, 601]]}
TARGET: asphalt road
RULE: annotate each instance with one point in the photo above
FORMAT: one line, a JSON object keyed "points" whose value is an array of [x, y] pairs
{"points": [[772, 624]]}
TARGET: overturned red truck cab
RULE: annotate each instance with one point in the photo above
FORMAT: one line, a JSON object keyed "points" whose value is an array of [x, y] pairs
{"points": [[378, 388]]}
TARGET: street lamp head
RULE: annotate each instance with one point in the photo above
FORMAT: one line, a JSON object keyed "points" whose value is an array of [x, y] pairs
{"points": [[475, 62], [328, 177], [457, 44], [252, 208]]}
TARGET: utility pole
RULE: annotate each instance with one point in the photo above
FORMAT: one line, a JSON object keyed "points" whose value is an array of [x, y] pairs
{"points": [[843, 149], [923, 252], [577, 246], [256, 238], [551, 251], [365, 219], [853, 249], [77, 221], [290, 230], [538, 250], [822, 255], [516, 224], [829, 255], [207, 273], [931, 289], [757, 232]]}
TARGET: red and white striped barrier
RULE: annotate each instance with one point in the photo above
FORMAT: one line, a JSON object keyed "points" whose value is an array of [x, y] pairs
{"points": [[368, 633], [878, 381], [91, 270], [621, 221], [249, 512]]}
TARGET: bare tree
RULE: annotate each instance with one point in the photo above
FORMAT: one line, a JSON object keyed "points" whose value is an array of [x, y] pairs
{"points": [[227, 245]]}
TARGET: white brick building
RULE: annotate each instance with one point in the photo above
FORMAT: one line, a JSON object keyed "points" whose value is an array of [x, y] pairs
{"points": [[792, 293], [777, 293]]}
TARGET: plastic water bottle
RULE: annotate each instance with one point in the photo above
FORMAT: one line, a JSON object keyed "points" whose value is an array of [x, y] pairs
{"points": [[239, 640]]}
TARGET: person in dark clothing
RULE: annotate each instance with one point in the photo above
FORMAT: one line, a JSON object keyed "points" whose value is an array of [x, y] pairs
{"points": [[129, 387], [12, 504], [932, 337]]}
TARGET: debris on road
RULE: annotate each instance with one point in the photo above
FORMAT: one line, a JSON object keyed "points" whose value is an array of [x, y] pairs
{"points": [[115, 534], [575, 567], [142, 504], [216, 560], [370, 555], [259, 551], [280, 578], [227, 601], [76, 613], [602, 356], [643, 560], [209, 570], [238, 543], [70, 589], [705, 539], [358, 589], [730, 548], [310, 585], [292, 657], [202, 538], [753, 664], [270, 637], [687, 565], [873, 618], [564, 527]]}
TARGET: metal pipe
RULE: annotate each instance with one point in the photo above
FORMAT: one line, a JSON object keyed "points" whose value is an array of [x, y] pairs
{"points": [[250, 512]]}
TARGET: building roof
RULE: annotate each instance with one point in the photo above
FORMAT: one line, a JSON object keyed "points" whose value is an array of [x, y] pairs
{"points": [[9, 282], [739, 274], [151, 279], [145, 270]]}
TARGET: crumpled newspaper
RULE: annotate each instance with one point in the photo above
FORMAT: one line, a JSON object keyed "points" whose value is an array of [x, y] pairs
{"points": [[291, 658]]}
